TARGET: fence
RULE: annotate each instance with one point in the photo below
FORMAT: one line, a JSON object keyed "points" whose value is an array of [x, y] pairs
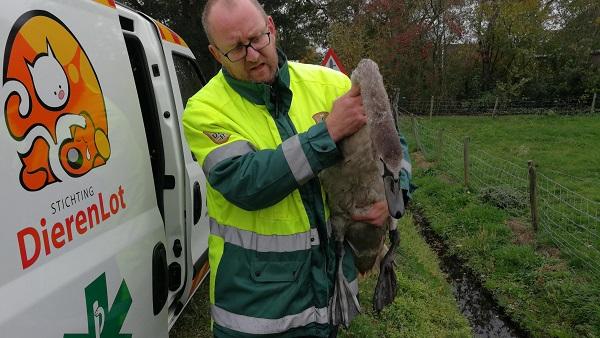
{"points": [[498, 106], [569, 220]]}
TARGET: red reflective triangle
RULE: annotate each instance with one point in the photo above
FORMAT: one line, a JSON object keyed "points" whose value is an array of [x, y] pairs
{"points": [[332, 61]]}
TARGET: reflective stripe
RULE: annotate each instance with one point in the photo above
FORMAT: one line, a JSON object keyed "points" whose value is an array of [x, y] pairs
{"points": [[253, 325], [404, 164], [296, 159], [329, 230], [236, 148], [264, 243]]}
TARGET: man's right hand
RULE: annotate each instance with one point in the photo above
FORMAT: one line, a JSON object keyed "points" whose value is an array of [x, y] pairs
{"points": [[347, 115]]}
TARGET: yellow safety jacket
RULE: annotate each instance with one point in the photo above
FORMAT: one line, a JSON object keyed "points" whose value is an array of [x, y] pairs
{"points": [[270, 247]]}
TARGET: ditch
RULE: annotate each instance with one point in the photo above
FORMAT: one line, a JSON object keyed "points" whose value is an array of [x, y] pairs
{"points": [[477, 304]]}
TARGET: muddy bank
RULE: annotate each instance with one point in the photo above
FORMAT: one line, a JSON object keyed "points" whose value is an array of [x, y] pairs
{"points": [[475, 302]]}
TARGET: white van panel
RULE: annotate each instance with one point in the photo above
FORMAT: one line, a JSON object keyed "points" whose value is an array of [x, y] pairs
{"points": [[51, 254], [197, 231]]}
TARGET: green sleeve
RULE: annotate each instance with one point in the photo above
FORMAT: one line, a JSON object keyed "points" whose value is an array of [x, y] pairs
{"points": [[262, 178]]}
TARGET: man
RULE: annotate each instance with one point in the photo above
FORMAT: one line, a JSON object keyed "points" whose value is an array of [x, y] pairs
{"points": [[258, 132]]}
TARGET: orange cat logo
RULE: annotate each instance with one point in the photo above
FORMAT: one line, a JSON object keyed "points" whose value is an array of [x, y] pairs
{"points": [[54, 107]]}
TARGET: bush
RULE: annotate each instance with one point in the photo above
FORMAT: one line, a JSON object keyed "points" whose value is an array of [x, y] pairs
{"points": [[504, 197]]}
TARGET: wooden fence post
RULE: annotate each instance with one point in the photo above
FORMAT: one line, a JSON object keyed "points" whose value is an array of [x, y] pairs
{"points": [[431, 108], [416, 134], [593, 103], [439, 147], [495, 107], [466, 160], [533, 200]]}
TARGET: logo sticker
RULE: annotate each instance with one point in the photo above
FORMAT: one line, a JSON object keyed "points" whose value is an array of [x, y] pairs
{"points": [[102, 320], [318, 117], [218, 138], [53, 104]]}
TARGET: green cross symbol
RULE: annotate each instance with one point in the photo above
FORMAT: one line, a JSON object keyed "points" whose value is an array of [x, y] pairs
{"points": [[105, 322]]}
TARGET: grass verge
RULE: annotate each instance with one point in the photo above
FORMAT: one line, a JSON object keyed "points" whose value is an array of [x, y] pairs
{"points": [[194, 321], [536, 287], [424, 306]]}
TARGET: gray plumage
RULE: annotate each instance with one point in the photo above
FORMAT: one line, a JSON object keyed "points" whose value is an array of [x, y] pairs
{"points": [[356, 183]]}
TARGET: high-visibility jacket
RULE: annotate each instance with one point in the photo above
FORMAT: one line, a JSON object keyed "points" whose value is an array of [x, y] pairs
{"points": [[261, 147]]}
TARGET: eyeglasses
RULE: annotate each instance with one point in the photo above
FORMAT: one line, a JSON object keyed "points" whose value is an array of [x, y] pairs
{"points": [[239, 52]]}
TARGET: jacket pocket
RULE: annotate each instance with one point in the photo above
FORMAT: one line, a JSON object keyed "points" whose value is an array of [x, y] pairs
{"points": [[270, 271]]}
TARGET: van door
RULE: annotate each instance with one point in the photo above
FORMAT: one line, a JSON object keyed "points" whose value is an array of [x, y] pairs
{"points": [[187, 80], [178, 191], [82, 241]]}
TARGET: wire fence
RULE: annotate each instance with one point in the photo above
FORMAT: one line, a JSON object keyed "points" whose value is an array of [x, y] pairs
{"points": [[500, 106], [566, 218]]}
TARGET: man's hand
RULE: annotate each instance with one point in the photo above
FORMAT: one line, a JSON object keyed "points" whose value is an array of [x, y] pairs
{"points": [[377, 214], [347, 115]]}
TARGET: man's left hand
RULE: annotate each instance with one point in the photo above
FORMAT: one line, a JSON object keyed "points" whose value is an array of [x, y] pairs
{"points": [[376, 215]]}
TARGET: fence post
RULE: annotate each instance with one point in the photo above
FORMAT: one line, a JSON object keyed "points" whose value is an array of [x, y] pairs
{"points": [[466, 160], [439, 147], [416, 134], [431, 108], [495, 107], [533, 200], [593, 103]]}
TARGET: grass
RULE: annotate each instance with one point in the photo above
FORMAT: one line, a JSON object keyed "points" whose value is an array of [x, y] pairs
{"points": [[568, 166], [565, 148], [536, 287], [424, 307], [549, 285], [194, 321]]}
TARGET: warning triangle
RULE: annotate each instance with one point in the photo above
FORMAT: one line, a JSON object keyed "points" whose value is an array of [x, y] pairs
{"points": [[331, 60]]}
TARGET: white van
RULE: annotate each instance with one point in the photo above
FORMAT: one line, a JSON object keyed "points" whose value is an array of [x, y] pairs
{"points": [[104, 228]]}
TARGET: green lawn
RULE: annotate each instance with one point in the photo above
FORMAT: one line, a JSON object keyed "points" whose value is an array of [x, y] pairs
{"points": [[549, 280], [424, 307], [537, 288], [565, 148], [566, 151]]}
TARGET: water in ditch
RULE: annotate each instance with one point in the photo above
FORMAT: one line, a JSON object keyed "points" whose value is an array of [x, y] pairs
{"points": [[476, 303]]}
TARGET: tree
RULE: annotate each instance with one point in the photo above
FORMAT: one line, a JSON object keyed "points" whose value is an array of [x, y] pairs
{"points": [[408, 39], [185, 18], [300, 25]]}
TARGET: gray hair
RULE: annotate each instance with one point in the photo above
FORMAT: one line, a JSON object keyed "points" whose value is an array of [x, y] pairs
{"points": [[230, 3]]}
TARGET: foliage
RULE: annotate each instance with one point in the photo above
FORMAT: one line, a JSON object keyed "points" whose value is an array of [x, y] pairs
{"points": [[467, 48], [459, 49], [408, 39], [300, 26], [503, 197], [185, 18]]}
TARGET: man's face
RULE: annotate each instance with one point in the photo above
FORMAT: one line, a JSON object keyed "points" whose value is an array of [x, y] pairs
{"points": [[238, 25]]}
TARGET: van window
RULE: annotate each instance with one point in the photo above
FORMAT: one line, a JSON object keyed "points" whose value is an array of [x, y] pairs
{"points": [[189, 78]]}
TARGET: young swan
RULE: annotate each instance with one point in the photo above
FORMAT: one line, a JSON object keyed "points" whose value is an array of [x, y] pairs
{"points": [[354, 184]]}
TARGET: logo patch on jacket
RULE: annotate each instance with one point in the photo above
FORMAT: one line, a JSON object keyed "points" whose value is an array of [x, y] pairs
{"points": [[318, 117], [218, 138]]}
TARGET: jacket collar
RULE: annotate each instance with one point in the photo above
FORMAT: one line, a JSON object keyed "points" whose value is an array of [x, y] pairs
{"points": [[260, 93]]}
